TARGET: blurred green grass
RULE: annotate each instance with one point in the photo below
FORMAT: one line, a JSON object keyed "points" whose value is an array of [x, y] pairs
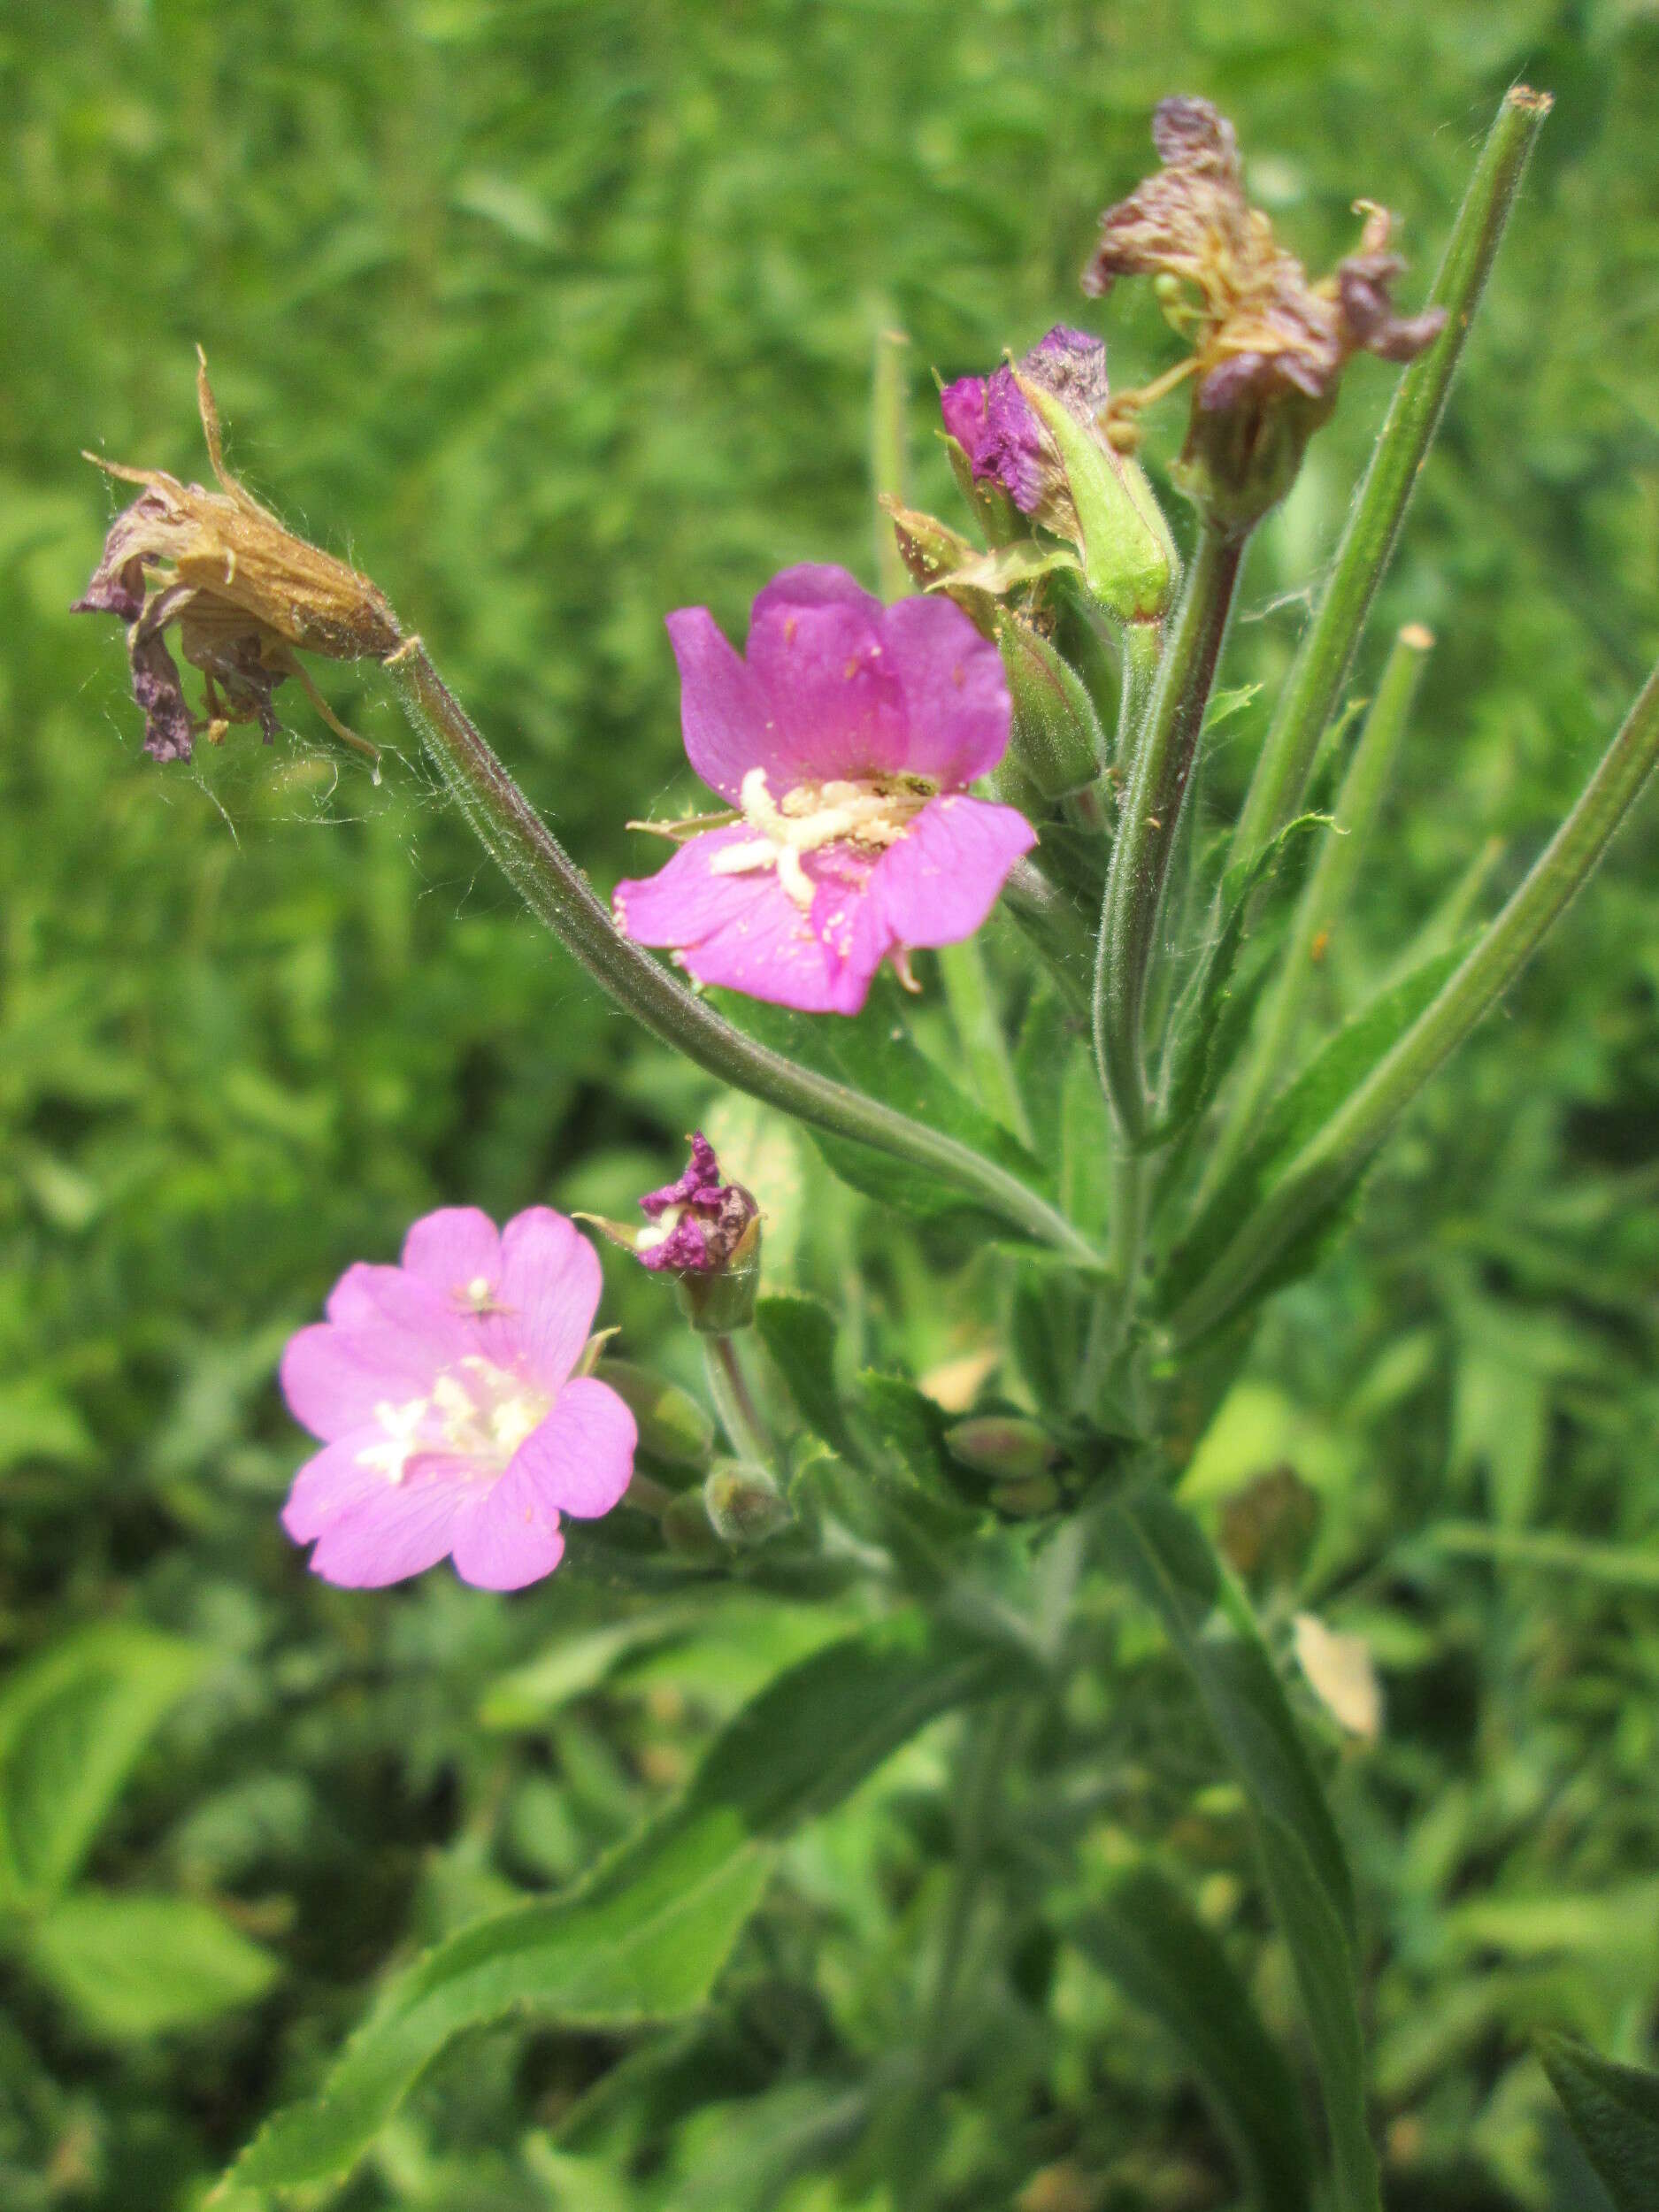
{"points": [[553, 317]]}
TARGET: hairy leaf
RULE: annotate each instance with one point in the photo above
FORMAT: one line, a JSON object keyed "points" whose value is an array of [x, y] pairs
{"points": [[1170, 1562], [1614, 2111], [645, 1936], [1166, 1961], [72, 1727]]}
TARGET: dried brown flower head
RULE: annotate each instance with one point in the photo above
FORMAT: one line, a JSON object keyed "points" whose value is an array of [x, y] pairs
{"points": [[1264, 339], [244, 592]]}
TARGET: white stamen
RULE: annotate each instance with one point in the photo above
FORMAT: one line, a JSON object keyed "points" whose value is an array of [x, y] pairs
{"points": [[485, 1413], [872, 813]]}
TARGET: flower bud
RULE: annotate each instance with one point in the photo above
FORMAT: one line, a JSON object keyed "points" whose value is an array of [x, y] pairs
{"points": [[930, 550], [704, 1233], [1130, 564], [674, 1427], [1006, 1447], [1055, 735], [1034, 434], [686, 1528], [744, 1504]]}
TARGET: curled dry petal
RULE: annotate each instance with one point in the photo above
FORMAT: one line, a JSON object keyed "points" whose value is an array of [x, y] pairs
{"points": [[245, 594], [1263, 335]]}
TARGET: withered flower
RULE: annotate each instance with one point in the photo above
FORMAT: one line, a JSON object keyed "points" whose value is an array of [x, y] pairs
{"points": [[244, 592], [1268, 346]]}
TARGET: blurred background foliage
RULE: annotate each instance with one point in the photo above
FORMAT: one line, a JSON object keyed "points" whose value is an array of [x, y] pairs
{"points": [[554, 317]]}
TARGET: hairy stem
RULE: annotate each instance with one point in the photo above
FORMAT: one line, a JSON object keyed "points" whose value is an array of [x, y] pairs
{"points": [[740, 1418], [1159, 767], [1331, 1159], [1373, 524], [559, 895]]}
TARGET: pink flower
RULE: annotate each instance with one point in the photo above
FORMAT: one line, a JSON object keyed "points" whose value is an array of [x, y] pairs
{"points": [[442, 1391], [845, 740]]}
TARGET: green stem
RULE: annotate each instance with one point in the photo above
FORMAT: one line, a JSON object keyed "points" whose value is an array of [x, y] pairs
{"points": [[559, 895], [973, 1004], [1137, 672], [1370, 771], [1162, 758], [1328, 1163], [740, 1418], [1373, 525]]}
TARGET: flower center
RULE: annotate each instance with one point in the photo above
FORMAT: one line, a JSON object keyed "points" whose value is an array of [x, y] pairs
{"points": [[477, 1415], [871, 812]]}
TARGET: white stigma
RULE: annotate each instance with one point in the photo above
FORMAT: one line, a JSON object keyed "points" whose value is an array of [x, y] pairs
{"points": [[872, 811]]}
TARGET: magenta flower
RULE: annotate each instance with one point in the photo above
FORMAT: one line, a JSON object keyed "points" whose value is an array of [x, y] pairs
{"points": [[698, 1222], [444, 1392], [1004, 437], [845, 740]]}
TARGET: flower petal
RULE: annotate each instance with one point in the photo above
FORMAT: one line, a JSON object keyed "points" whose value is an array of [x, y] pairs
{"points": [[416, 1326], [334, 1378], [452, 1250], [509, 1535], [332, 1483], [550, 1285], [742, 930], [582, 1458], [938, 883], [724, 714], [408, 1527], [955, 694], [815, 645]]}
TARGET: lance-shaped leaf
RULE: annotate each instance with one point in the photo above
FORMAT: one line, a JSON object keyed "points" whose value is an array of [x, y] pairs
{"points": [[1165, 1959], [1168, 1559], [72, 1727], [644, 1937], [1614, 2111]]}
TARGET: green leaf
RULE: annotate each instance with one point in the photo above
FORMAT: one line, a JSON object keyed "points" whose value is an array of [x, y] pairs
{"points": [[912, 1427], [135, 1965], [800, 1334], [1291, 1125], [72, 1727], [1169, 1560], [644, 1937], [875, 1053], [1167, 1961], [1614, 2111]]}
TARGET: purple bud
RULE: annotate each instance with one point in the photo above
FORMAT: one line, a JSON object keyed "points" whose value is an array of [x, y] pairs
{"points": [[699, 1222], [1002, 433]]}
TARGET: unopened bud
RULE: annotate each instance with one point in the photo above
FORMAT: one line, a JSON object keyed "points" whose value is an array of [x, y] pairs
{"points": [[672, 1425], [1130, 564], [705, 1234], [1027, 1500], [686, 1528], [744, 1504], [1055, 735], [1005, 1446], [929, 548]]}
